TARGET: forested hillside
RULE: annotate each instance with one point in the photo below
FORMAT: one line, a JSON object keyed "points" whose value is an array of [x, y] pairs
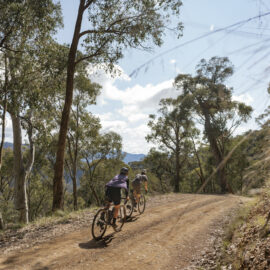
{"points": [[156, 108], [62, 157]]}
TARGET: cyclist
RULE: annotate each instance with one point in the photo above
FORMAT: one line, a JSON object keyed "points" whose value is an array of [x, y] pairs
{"points": [[136, 185], [113, 191]]}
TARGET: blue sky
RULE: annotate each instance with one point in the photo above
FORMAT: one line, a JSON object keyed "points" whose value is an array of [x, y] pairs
{"points": [[125, 102]]}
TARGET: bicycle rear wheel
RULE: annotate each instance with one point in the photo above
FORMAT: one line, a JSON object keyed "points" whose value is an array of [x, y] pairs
{"points": [[99, 224], [129, 208], [121, 219], [141, 204]]}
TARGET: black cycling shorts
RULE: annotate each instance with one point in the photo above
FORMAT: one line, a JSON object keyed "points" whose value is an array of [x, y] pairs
{"points": [[113, 194]]}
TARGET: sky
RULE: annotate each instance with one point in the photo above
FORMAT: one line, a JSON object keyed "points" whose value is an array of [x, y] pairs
{"points": [[126, 101]]}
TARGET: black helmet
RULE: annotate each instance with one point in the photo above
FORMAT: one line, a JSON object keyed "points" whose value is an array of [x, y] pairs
{"points": [[143, 171], [124, 170]]}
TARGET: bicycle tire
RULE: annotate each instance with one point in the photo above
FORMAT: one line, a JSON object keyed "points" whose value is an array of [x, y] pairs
{"points": [[121, 219], [129, 208], [103, 223], [141, 204]]}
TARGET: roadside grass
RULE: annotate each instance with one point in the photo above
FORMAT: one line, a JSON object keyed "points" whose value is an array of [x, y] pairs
{"points": [[240, 218], [233, 231], [62, 217], [246, 230], [58, 217]]}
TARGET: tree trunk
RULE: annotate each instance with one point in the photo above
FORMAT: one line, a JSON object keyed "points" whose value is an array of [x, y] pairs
{"points": [[3, 132], [177, 174], [75, 200], [4, 115], [58, 185], [222, 179], [2, 225], [20, 195], [161, 184], [95, 194], [225, 186]]}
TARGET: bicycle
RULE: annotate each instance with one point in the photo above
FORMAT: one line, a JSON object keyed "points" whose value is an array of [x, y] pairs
{"points": [[130, 204], [103, 219]]}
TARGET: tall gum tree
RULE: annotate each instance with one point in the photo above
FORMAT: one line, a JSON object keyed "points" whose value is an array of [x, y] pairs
{"points": [[211, 101], [113, 25], [22, 38], [85, 94], [171, 131]]}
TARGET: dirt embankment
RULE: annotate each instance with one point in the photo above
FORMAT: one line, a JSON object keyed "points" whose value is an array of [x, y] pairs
{"points": [[173, 232]]}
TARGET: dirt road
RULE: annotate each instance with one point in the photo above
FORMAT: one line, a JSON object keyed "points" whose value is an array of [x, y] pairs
{"points": [[166, 236]]}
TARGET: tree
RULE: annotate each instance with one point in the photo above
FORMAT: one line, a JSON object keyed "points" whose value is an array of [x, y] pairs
{"points": [[160, 164], [23, 48], [6, 186], [171, 131], [85, 94], [100, 148], [114, 26], [211, 100]]}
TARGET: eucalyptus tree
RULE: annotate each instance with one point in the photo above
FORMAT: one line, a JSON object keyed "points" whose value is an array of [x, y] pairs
{"points": [[112, 27], [23, 47], [98, 149], [160, 164], [211, 101], [171, 132], [81, 124]]}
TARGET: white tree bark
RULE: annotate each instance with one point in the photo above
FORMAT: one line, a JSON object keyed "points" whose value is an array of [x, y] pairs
{"points": [[21, 172]]}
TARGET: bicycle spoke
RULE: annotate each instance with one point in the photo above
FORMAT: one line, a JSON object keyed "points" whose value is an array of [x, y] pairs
{"points": [[99, 224]]}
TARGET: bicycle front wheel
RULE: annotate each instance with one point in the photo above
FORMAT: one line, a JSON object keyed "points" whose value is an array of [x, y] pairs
{"points": [[141, 204], [121, 219], [99, 224]]}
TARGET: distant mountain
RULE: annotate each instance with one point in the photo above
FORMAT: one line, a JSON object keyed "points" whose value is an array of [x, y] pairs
{"points": [[8, 144], [132, 157], [128, 158]]}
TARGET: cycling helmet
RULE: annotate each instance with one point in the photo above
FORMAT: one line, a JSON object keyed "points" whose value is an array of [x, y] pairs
{"points": [[143, 171], [124, 170]]}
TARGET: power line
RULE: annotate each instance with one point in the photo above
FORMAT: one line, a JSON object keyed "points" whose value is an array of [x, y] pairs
{"points": [[135, 71]]}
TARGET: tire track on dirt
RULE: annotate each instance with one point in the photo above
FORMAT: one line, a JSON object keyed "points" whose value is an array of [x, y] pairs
{"points": [[154, 241]]}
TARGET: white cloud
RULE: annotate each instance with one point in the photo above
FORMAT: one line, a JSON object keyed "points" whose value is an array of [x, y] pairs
{"points": [[129, 117], [172, 61], [8, 131], [245, 98]]}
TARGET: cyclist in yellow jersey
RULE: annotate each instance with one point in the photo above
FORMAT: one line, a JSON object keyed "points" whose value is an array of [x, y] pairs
{"points": [[136, 185]]}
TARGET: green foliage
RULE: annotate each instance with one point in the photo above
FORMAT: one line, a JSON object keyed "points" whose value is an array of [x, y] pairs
{"points": [[171, 132], [6, 188], [116, 25], [104, 171], [210, 99]]}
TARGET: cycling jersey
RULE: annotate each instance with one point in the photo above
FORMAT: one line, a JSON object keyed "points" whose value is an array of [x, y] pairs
{"points": [[139, 179], [119, 181], [114, 186]]}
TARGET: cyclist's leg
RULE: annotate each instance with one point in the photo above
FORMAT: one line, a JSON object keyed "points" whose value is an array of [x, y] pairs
{"points": [[108, 198], [116, 197], [116, 210], [137, 191]]}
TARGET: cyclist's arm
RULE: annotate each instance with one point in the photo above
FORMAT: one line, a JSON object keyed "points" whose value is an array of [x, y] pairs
{"points": [[146, 183], [127, 190], [145, 186]]}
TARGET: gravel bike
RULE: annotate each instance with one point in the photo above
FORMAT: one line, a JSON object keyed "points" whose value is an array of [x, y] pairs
{"points": [[103, 218], [130, 204]]}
